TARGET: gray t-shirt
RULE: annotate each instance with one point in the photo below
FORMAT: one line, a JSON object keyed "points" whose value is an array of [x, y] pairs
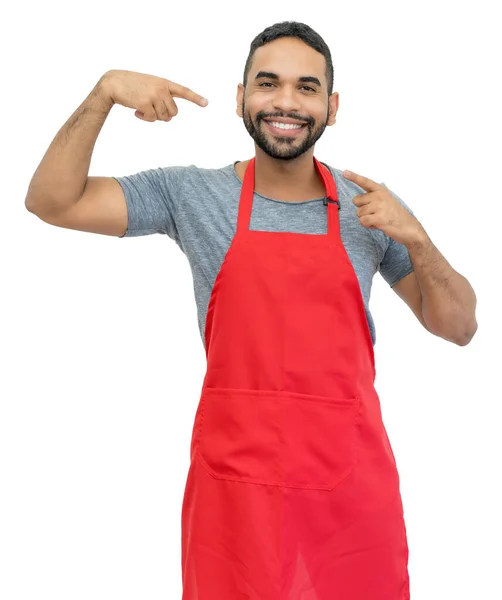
{"points": [[197, 208]]}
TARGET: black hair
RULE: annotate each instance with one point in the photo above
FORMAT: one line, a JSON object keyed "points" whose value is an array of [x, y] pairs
{"points": [[297, 30]]}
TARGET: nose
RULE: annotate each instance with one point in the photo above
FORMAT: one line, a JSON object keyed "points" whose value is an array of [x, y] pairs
{"points": [[286, 100]]}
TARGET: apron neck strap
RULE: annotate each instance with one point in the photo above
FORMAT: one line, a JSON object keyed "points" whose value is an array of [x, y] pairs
{"points": [[247, 193]]}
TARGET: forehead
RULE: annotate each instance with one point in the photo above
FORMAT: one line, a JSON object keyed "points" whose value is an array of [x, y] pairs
{"points": [[290, 58]]}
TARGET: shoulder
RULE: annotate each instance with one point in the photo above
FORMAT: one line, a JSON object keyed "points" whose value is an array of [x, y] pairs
{"points": [[190, 174]]}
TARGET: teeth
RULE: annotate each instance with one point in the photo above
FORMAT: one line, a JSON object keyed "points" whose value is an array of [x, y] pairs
{"points": [[286, 125]]}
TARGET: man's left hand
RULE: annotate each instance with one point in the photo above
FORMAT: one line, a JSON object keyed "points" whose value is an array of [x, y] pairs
{"points": [[379, 209]]}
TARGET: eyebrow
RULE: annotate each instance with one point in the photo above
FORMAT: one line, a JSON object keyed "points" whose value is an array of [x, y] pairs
{"points": [[305, 79]]}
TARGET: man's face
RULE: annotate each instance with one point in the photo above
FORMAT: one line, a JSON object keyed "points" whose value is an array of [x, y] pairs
{"points": [[275, 94]]}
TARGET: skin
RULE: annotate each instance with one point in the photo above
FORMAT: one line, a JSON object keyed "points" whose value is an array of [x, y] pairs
{"points": [[284, 167]]}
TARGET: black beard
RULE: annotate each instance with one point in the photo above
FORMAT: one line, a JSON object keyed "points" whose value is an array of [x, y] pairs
{"points": [[283, 148]]}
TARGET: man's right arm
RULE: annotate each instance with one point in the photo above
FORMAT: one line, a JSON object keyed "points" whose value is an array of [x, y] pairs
{"points": [[61, 192]]}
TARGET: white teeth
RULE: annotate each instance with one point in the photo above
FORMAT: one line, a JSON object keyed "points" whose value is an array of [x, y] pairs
{"points": [[285, 125]]}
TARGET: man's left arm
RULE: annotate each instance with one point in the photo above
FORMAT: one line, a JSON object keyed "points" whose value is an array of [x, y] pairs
{"points": [[448, 300], [441, 298]]}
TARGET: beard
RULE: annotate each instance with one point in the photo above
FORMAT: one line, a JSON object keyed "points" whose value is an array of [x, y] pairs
{"points": [[282, 148]]}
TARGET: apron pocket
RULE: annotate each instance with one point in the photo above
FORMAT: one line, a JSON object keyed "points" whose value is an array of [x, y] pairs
{"points": [[277, 438]]}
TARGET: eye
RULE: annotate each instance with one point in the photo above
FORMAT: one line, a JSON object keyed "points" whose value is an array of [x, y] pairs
{"points": [[307, 87]]}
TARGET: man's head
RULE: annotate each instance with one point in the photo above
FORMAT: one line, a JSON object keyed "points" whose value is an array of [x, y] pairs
{"points": [[288, 77]]}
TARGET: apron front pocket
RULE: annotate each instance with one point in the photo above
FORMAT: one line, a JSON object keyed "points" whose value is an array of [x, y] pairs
{"points": [[277, 438]]}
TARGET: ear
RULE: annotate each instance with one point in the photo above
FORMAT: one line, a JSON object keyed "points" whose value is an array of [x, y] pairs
{"points": [[333, 108], [240, 96]]}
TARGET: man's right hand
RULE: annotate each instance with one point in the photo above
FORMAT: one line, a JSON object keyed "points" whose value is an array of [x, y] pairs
{"points": [[151, 96]]}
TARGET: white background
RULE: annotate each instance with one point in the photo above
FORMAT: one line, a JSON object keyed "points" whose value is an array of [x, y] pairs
{"points": [[102, 362]]}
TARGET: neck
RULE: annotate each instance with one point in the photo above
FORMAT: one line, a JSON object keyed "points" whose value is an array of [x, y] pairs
{"points": [[285, 176]]}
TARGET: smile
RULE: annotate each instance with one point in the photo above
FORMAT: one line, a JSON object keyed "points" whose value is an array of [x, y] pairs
{"points": [[284, 129]]}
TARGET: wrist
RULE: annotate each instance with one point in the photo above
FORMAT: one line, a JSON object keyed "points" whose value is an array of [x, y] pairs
{"points": [[418, 238]]}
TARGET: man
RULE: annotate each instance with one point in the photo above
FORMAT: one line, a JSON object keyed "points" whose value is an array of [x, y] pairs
{"points": [[292, 491]]}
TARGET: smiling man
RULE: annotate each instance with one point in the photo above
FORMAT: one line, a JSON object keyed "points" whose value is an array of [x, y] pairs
{"points": [[293, 490]]}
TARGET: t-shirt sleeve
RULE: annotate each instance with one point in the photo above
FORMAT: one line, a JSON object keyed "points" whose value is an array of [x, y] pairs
{"points": [[151, 201], [396, 262]]}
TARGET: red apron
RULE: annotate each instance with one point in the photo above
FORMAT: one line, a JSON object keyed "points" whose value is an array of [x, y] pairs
{"points": [[292, 491]]}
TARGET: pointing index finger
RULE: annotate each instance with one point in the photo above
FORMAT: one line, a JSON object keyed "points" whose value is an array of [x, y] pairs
{"points": [[180, 91], [365, 182]]}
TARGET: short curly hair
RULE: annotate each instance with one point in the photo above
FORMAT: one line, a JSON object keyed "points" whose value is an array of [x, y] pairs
{"points": [[297, 30]]}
